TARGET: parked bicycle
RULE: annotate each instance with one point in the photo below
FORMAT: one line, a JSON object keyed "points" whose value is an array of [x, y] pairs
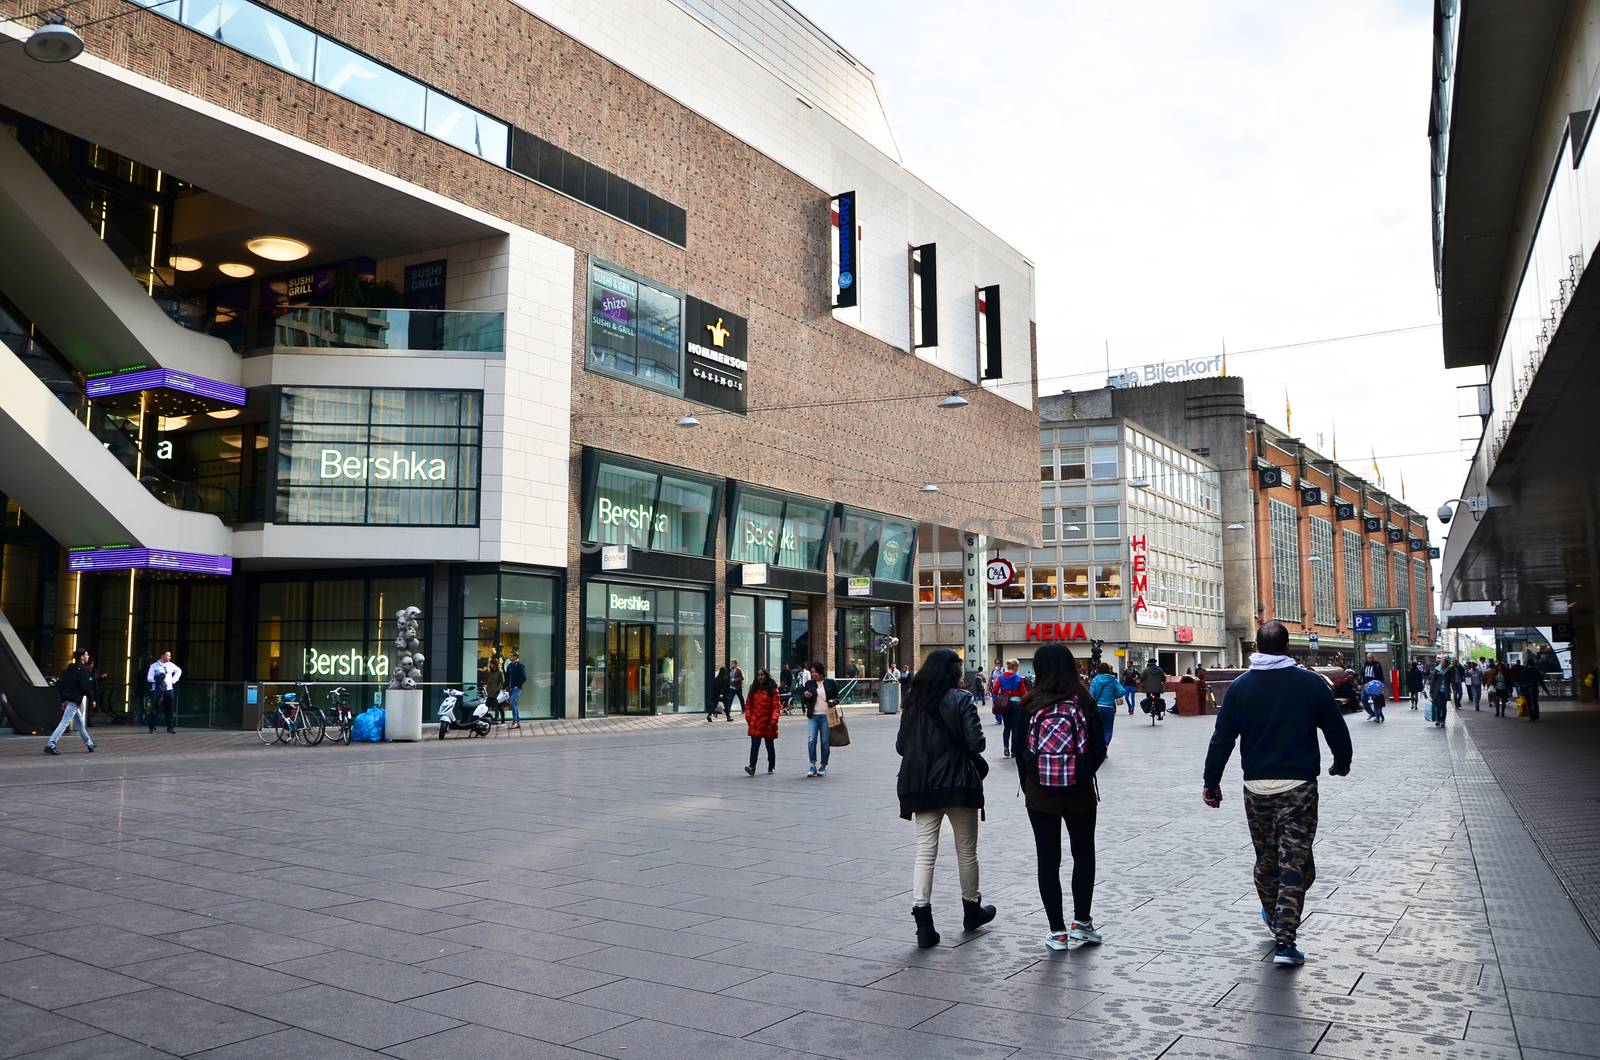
{"points": [[289, 721], [337, 718]]}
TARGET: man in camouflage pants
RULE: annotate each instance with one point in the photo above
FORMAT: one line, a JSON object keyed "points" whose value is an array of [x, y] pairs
{"points": [[1274, 711]]}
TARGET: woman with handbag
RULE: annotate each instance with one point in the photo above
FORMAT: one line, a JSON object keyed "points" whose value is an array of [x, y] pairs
{"points": [[1060, 745], [494, 688], [941, 777], [761, 720]]}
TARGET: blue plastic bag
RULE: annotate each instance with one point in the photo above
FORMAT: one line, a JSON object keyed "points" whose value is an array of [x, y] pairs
{"points": [[368, 727]]}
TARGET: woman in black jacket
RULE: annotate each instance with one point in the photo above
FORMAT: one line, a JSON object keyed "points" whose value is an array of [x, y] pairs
{"points": [[1058, 686], [941, 776], [721, 695]]}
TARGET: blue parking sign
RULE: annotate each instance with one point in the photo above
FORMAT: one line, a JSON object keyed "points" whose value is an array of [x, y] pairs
{"points": [[1364, 623]]}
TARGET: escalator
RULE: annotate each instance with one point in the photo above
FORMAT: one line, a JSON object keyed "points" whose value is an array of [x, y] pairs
{"points": [[63, 275], [71, 468]]}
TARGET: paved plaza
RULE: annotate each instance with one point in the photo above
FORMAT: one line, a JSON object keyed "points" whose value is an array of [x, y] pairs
{"points": [[629, 892]]}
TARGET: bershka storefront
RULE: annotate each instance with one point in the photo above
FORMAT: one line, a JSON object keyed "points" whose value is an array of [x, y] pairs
{"points": [[648, 573], [780, 545]]}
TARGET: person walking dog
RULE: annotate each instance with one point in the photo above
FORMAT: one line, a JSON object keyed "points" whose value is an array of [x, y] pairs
{"points": [[1274, 711], [940, 745], [73, 689]]}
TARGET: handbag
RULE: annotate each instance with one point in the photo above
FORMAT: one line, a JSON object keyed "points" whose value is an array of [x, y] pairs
{"points": [[838, 731]]}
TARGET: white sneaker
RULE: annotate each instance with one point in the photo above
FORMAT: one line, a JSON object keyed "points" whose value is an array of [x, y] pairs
{"points": [[822, 772], [1056, 940], [1084, 933]]}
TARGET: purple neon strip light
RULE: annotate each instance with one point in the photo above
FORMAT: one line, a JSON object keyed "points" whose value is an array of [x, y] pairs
{"points": [[149, 559], [159, 378]]}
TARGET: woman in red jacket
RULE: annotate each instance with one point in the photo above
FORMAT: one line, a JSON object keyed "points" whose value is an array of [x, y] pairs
{"points": [[761, 720]]}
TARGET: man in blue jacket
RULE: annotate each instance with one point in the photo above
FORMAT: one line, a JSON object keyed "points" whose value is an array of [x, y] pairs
{"points": [[1274, 711]]}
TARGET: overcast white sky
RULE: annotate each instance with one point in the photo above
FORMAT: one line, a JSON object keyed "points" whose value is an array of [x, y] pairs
{"points": [[1183, 173]]}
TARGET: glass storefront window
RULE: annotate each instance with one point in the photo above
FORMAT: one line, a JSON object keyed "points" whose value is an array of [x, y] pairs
{"points": [[1043, 582], [757, 528], [357, 456], [1108, 581], [875, 546], [332, 629], [925, 590], [1076, 585], [646, 508], [742, 631], [635, 329], [895, 551], [805, 527], [861, 631], [645, 649], [952, 587], [506, 612], [469, 130]]}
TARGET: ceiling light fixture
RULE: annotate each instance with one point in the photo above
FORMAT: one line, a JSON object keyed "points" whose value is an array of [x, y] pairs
{"points": [[930, 487], [238, 270], [689, 421], [184, 263], [953, 400], [53, 42], [223, 414], [278, 248]]}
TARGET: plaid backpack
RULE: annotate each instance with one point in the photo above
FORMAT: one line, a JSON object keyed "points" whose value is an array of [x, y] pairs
{"points": [[1058, 736]]}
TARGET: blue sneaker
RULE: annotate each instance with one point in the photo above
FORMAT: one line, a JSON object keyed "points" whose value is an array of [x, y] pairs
{"points": [[1288, 956], [1267, 920]]}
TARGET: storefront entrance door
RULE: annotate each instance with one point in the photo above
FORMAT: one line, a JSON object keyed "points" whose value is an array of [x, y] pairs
{"points": [[630, 667]]}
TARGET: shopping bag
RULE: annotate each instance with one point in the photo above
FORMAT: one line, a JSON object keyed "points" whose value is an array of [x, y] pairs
{"points": [[1427, 712], [1522, 706], [838, 731]]}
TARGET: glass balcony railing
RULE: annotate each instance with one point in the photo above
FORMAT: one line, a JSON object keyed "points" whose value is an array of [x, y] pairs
{"points": [[427, 330]]}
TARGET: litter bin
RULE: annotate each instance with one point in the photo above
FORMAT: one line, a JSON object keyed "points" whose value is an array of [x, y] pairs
{"points": [[402, 714], [889, 697]]}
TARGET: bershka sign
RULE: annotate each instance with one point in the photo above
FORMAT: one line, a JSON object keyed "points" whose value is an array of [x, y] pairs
{"points": [[634, 517], [1141, 576], [1056, 631], [632, 603], [717, 368], [350, 663], [396, 467], [1166, 372]]}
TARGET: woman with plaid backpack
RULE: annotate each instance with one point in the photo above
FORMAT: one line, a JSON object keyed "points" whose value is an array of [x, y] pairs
{"points": [[1060, 744]]}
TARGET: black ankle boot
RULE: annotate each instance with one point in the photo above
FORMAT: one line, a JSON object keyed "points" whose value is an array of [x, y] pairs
{"points": [[978, 914], [926, 936]]}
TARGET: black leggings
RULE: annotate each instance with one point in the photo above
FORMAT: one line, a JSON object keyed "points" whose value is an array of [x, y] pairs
{"points": [[1079, 820], [772, 752]]}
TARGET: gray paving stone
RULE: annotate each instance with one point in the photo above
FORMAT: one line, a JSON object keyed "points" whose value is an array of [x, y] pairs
{"points": [[1012, 993], [809, 964], [657, 940], [540, 945], [292, 1042], [1366, 1043], [53, 982], [100, 1047], [663, 968], [399, 917], [482, 1043], [372, 976], [214, 978], [1566, 1036], [102, 945], [350, 1017], [1047, 1034], [665, 1041], [392, 945], [1192, 1048], [548, 1020], [1400, 1014], [839, 999], [1164, 1016], [15, 951], [248, 944], [519, 973], [846, 1039], [717, 1013], [634, 913], [25, 1028], [172, 1022]]}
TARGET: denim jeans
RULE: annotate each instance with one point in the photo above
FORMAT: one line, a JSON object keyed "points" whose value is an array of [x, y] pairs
{"points": [[68, 712], [1128, 692], [817, 729], [1008, 720], [516, 696], [164, 701], [1108, 714]]}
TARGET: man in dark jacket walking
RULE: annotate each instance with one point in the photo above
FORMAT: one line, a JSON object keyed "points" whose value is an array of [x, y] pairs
{"points": [[1274, 711], [73, 688]]}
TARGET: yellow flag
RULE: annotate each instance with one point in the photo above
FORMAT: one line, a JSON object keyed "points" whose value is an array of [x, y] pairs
{"points": [[1288, 414]]}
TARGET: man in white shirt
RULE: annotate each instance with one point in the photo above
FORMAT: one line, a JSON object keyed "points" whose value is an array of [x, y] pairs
{"points": [[162, 676]]}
